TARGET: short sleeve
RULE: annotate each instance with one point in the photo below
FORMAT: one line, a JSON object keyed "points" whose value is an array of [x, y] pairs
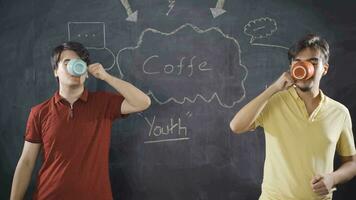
{"points": [[33, 128], [114, 102], [346, 143]]}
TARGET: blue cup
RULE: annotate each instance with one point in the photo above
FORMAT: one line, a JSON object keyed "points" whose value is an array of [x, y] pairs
{"points": [[77, 67]]}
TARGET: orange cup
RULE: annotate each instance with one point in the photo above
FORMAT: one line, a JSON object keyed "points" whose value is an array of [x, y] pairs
{"points": [[302, 70]]}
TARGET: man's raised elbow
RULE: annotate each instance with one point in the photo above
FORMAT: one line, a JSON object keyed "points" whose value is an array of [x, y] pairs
{"points": [[146, 103], [235, 129]]}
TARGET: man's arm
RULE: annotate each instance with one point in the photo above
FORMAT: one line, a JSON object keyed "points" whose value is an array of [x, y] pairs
{"points": [[322, 185], [244, 120], [24, 170], [346, 171], [135, 99]]}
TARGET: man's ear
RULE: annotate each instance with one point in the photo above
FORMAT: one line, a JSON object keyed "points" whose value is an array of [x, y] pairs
{"points": [[326, 68]]}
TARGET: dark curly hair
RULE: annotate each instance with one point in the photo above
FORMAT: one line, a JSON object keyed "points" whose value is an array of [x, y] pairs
{"points": [[310, 41]]}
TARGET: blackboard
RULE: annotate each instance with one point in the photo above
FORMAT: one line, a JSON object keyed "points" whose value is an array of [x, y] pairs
{"points": [[200, 61]]}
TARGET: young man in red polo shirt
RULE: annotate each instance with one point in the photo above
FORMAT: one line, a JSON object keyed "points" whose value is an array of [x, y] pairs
{"points": [[72, 129]]}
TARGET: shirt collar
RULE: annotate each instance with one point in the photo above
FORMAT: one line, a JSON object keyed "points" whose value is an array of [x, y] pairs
{"points": [[83, 97]]}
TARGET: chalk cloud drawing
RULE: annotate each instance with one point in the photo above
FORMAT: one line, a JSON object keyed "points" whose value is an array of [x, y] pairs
{"points": [[261, 28], [186, 65]]}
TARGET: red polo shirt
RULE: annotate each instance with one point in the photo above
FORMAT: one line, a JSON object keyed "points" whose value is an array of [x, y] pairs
{"points": [[75, 145]]}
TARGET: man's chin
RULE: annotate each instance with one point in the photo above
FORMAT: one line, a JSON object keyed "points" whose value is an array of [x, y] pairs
{"points": [[304, 88], [73, 83]]}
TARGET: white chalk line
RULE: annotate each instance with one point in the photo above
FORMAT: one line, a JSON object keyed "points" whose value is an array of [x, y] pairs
{"points": [[166, 140]]}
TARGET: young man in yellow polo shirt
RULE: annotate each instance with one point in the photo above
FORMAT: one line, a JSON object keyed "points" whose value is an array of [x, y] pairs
{"points": [[303, 129]]}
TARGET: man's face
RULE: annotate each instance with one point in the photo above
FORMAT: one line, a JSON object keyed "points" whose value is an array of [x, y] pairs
{"points": [[320, 68], [62, 73]]}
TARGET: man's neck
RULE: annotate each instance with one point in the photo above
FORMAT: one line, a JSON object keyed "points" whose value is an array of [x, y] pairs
{"points": [[71, 93], [310, 97]]}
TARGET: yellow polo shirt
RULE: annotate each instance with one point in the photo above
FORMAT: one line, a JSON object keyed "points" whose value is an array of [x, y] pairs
{"points": [[299, 146]]}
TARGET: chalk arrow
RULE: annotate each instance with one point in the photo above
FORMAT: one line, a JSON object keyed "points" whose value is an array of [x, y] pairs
{"points": [[132, 16], [218, 10]]}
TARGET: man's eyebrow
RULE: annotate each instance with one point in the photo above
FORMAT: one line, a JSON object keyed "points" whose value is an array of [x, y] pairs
{"points": [[313, 59], [65, 60], [310, 59]]}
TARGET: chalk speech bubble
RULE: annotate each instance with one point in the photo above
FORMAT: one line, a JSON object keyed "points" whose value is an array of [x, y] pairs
{"points": [[260, 28], [90, 34]]}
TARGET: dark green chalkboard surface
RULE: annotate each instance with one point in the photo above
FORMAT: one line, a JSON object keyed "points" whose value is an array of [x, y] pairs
{"points": [[199, 60]]}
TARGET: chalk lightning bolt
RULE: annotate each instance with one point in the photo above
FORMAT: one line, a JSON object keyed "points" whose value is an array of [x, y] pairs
{"points": [[171, 5], [218, 10], [132, 16]]}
